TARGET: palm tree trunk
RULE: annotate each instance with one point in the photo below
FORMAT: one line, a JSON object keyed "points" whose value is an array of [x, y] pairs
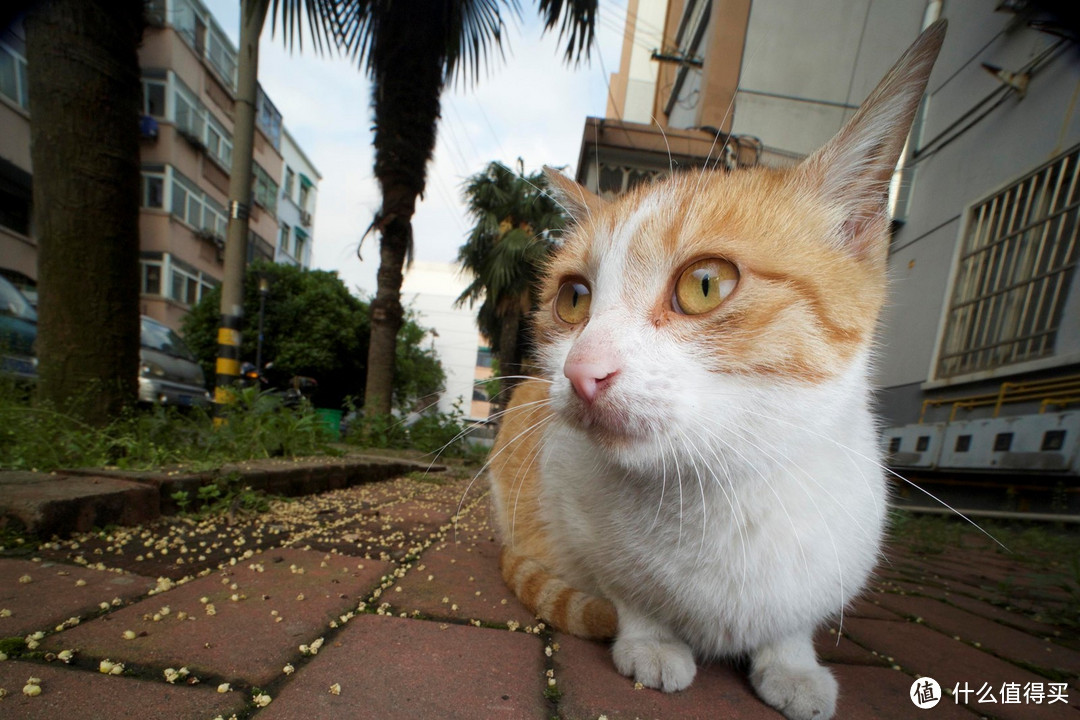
{"points": [[407, 69], [83, 81]]}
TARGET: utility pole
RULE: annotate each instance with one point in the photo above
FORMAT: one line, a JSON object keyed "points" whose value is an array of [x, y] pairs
{"points": [[252, 16]]}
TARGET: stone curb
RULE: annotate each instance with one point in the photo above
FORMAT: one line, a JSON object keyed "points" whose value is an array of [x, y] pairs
{"points": [[71, 501]]}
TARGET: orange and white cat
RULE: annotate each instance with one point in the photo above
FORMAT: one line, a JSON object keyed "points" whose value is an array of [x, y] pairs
{"points": [[696, 474]]}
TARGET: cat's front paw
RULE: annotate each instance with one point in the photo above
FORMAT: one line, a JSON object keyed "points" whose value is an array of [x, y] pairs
{"points": [[666, 665], [804, 693]]}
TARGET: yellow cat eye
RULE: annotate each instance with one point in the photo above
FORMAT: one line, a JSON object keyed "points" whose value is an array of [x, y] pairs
{"points": [[704, 285], [572, 302]]}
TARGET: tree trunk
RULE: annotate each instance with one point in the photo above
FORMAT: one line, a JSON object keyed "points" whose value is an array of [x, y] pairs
{"points": [[509, 358], [83, 80], [407, 73]]}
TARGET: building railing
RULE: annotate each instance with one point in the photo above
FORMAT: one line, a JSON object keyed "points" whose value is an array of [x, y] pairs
{"points": [[1053, 392]]}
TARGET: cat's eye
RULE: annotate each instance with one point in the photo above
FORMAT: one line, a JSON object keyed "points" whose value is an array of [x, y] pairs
{"points": [[704, 285], [572, 302]]}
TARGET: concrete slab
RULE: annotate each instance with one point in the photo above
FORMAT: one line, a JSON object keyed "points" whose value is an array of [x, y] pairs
{"points": [[42, 595], [47, 504], [244, 639], [394, 669]]}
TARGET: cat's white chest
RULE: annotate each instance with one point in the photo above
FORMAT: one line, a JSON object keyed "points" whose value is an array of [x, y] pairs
{"points": [[726, 563]]}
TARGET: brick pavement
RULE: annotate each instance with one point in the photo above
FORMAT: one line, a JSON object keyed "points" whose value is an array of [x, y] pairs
{"points": [[371, 602]]}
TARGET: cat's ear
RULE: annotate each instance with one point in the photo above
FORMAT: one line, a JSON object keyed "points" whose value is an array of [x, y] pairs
{"points": [[852, 171], [574, 198]]}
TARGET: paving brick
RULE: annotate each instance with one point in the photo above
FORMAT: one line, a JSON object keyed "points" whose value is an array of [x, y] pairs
{"points": [[830, 649], [994, 637], [873, 693], [242, 640], [57, 592], [591, 686], [923, 651], [466, 573], [868, 606], [47, 504], [394, 669], [67, 693]]}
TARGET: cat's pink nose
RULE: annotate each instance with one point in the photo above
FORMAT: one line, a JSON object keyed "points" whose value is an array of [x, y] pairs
{"points": [[588, 379]]}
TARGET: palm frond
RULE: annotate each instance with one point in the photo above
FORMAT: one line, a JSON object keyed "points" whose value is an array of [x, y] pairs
{"points": [[577, 25]]}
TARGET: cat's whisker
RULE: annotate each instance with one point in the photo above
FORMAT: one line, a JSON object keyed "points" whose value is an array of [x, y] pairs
{"points": [[888, 470], [534, 406], [663, 481], [779, 500], [787, 466], [738, 515], [523, 473], [701, 489], [670, 160]]}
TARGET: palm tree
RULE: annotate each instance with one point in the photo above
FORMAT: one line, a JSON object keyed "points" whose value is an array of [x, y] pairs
{"points": [[411, 51], [517, 222], [83, 82]]}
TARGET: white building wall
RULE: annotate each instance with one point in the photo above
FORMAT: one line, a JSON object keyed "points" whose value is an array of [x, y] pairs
{"points": [[808, 65], [1001, 145], [431, 289], [294, 206]]}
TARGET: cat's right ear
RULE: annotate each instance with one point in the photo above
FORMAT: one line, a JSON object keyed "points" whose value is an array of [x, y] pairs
{"points": [[852, 171], [578, 202]]}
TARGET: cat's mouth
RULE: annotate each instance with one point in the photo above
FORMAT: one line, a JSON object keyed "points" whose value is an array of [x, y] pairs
{"points": [[610, 425]]}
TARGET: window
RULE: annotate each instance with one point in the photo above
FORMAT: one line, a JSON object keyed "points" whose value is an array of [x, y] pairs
{"points": [[196, 208], [15, 197], [187, 285], [192, 117], [190, 113], [153, 190], [290, 180], [300, 238], [268, 118], [221, 56], [1017, 260], [153, 96], [13, 76], [151, 277], [209, 43], [218, 142], [264, 190], [283, 239]]}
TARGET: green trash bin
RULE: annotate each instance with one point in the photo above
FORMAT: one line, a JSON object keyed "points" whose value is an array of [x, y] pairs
{"points": [[330, 419]]}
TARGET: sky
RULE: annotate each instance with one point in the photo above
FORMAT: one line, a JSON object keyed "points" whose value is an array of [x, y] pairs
{"points": [[531, 106]]}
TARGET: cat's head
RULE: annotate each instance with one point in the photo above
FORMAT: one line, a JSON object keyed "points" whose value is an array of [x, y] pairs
{"points": [[664, 306]]}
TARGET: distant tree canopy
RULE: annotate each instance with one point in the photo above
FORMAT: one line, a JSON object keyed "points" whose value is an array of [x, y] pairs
{"points": [[313, 326]]}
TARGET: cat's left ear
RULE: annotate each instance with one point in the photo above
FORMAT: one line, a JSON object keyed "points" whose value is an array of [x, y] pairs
{"points": [[852, 171], [578, 202]]}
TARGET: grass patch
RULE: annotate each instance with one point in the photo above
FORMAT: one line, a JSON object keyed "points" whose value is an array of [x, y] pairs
{"points": [[41, 438]]}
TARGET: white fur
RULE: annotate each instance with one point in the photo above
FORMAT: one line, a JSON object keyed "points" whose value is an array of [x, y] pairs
{"points": [[743, 514]]}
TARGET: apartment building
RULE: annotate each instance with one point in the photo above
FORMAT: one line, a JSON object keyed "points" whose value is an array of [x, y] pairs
{"points": [[188, 77]]}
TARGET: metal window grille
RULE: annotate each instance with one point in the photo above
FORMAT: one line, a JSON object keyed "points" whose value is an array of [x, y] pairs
{"points": [[1015, 270]]}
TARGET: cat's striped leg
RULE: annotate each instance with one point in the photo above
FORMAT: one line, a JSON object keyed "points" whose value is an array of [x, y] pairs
{"points": [[650, 653], [787, 675]]}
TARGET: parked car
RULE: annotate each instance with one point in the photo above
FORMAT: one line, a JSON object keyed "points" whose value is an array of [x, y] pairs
{"points": [[168, 371], [18, 330]]}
